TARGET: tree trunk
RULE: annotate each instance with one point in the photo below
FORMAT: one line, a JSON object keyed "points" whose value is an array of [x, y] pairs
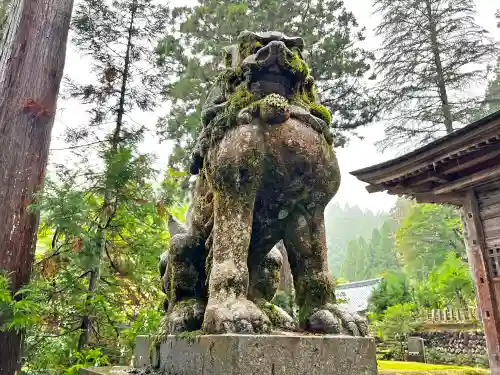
{"points": [[107, 211], [109, 205], [445, 104], [32, 56]]}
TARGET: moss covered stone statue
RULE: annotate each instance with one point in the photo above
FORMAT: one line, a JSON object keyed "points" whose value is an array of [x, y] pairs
{"points": [[265, 170]]}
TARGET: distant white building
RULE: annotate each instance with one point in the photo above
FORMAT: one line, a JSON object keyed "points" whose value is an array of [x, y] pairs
{"points": [[357, 294]]}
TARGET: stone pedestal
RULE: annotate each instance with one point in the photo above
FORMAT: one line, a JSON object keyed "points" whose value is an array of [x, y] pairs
{"points": [[280, 354]]}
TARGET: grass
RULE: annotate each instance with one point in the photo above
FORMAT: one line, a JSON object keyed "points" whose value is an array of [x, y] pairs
{"points": [[414, 368]]}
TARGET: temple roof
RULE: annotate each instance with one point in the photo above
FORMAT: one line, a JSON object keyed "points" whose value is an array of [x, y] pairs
{"points": [[357, 293], [441, 171]]}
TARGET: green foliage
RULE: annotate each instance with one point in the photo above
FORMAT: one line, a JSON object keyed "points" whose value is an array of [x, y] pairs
{"points": [[19, 311], [427, 234], [452, 282], [492, 96], [92, 357], [393, 290], [430, 246], [396, 323], [119, 38], [448, 285], [146, 322], [285, 301], [491, 101], [470, 359], [103, 223], [195, 54], [340, 281], [127, 301]]}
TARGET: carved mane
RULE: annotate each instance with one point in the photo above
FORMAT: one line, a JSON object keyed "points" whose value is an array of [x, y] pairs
{"points": [[238, 88]]}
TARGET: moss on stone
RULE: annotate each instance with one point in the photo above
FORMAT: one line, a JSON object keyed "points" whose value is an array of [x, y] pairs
{"points": [[272, 313], [322, 112], [313, 293], [297, 65], [241, 158], [304, 99], [227, 58], [248, 48], [240, 98], [273, 108], [162, 333], [190, 336]]}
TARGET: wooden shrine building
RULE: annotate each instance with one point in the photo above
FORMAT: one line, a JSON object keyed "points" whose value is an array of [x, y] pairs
{"points": [[462, 169]]}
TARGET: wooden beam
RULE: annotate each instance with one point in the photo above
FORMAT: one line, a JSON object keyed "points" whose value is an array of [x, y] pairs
{"points": [[426, 187], [483, 280], [442, 171], [469, 181], [465, 140], [375, 188], [456, 199], [472, 159], [426, 177]]}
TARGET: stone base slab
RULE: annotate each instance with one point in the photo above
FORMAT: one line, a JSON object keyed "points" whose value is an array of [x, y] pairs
{"points": [[113, 370], [279, 354]]}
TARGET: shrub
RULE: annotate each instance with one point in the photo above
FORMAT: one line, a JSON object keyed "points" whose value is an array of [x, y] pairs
{"points": [[435, 356]]}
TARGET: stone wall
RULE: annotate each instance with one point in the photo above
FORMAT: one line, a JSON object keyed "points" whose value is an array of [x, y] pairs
{"points": [[455, 342]]}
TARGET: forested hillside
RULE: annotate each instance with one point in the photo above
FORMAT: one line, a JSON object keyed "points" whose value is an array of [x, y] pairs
{"points": [[343, 224]]}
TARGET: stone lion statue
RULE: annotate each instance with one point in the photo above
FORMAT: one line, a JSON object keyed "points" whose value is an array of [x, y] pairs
{"points": [[265, 170]]}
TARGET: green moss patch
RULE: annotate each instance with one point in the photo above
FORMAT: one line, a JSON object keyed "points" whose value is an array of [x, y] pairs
{"points": [[297, 65], [321, 112], [190, 336], [272, 313]]}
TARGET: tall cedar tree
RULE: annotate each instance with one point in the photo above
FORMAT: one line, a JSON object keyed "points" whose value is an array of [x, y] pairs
{"points": [[426, 63], [32, 56], [118, 38], [491, 101], [330, 32], [492, 98]]}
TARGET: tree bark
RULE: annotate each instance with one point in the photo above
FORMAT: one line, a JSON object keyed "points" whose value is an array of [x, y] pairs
{"points": [[4, 8], [32, 57], [445, 104]]}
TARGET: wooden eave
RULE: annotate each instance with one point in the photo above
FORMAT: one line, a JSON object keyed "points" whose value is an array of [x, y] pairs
{"points": [[442, 171]]}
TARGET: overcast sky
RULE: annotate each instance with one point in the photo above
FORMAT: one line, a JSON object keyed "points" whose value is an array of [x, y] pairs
{"points": [[359, 153]]}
